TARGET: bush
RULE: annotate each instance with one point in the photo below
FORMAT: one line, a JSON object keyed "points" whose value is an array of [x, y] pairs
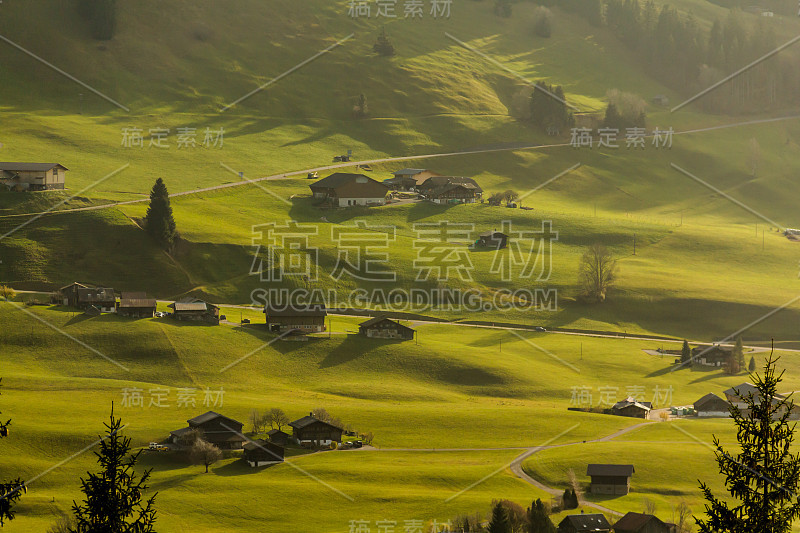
{"points": [[7, 293], [543, 24]]}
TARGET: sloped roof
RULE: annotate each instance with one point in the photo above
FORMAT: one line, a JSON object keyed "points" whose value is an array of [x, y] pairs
{"points": [[379, 319], [634, 522], [743, 390], [209, 416], [292, 310], [137, 302], [74, 284], [30, 167], [189, 306], [181, 432], [708, 398], [609, 470], [306, 421], [493, 233], [409, 171], [627, 402], [273, 432], [133, 296], [587, 522]]}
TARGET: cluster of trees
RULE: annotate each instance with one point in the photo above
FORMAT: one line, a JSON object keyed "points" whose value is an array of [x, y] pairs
{"points": [[508, 196], [543, 22], [625, 110], [158, 221], [275, 418], [510, 517], [569, 500], [548, 107], [383, 46], [101, 16], [361, 107]]}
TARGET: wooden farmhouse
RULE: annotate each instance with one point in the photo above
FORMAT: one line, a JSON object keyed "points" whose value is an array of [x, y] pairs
{"points": [[32, 176], [194, 309], [610, 479], [303, 319], [494, 239], [408, 179], [711, 405], [715, 355], [261, 453], [450, 190], [345, 190], [221, 431], [310, 431], [737, 394], [642, 523], [385, 328], [96, 299], [278, 437], [68, 295], [632, 408], [136, 305], [584, 523]]}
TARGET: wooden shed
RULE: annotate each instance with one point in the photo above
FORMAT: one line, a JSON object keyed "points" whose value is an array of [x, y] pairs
{"points": [[610, 479], [310, 430], [262, 452], [385, 328]]}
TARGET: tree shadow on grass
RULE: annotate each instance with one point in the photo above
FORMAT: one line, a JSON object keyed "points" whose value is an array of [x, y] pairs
{"points": [[348, 350], [240, 468]]}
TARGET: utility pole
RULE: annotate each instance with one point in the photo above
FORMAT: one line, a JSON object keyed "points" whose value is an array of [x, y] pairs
{"points": [[634, 244]]}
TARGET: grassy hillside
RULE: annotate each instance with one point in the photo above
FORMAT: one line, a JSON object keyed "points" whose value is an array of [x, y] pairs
{"points": [[494, 391]]}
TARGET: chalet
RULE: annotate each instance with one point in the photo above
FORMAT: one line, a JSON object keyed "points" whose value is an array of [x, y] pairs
{"points": [[342, 190], [136, 304], [450, 190], [610, 479], [68, 295], [642, 523], [313, 431], [584, 523], [32, 176], [632, 408], [219, 430], [385, 328], [194, 309], [493, 239], [408, 179], [305, 319], [261, 453], [96, 299], [714, 355], [278, 437], [737, 394], [711, 405]]}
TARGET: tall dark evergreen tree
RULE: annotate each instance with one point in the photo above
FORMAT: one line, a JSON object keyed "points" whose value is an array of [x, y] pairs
{"points": [[763, 478], [538, 519], [383, 46], [752, 366], [738, 353], [499, 522], [102, 17], [113, 501], [10, 491], [686, 353], [158, 220], [613, 118]]}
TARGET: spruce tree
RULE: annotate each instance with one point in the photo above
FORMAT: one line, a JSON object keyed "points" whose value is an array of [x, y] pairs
{"points": [[764, 476], [738, 353], [613, 118], [383, 46], [499, 522], [538, 520], [686, 353], [113, 501], [158, 220], [10, 491], [752, 366], [566, 500]]}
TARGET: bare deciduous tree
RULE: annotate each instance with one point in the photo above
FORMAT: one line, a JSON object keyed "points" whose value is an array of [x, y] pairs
{"points": [[648, 506], [680, 517], [204, 453], [257, 420], [598, 271], [277, 418]]}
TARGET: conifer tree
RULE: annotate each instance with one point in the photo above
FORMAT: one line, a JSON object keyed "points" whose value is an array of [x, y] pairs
{"points": [[738, 353], [499, 522], [10, 491], [686, 353], [159, 222], [764, 476], [383, 46], [113, 502], [752, 366], [538, 520]]}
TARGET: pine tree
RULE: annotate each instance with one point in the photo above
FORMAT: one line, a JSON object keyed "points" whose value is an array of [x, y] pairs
{"points": [[158, 220], [613, 118], [566, 499], [10, 491], [538, 520], [383, 46], [763, 477], [686, 353], [752, 366], [113, 501], [574, 499], [738, 353], [499, 522]]}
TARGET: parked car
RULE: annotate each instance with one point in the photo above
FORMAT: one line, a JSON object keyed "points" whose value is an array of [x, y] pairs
{"points": [[539, 328], [357, 444], [156, 447], [312, 175], [245, 321], [223, 317]]}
